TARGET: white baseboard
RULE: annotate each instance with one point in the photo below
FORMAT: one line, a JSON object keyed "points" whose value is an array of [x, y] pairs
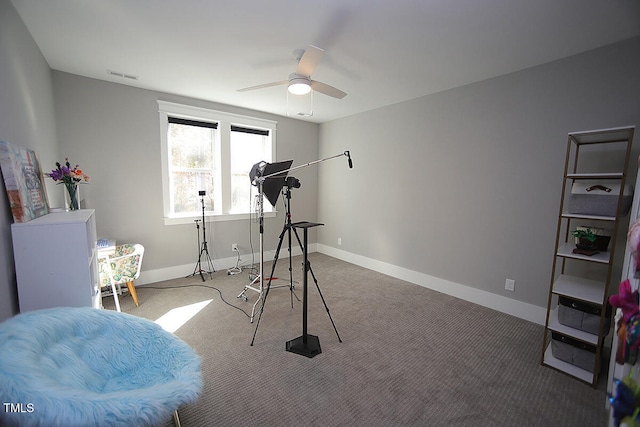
{"points": [[523, 310], [161, 274]]}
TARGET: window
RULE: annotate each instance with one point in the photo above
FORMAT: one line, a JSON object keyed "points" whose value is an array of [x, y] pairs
{"points": [[210, 151], [191, 164], [248, 147]]}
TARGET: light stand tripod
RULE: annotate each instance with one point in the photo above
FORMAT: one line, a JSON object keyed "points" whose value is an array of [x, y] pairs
{"points": [[204, 251], [275, 173], [289, 182]]}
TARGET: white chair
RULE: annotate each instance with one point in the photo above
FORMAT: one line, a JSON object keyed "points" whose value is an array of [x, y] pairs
{"points": [[123, 267]]}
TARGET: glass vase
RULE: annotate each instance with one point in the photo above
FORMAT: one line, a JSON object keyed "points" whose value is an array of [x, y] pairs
{"points": [[72, 198]]}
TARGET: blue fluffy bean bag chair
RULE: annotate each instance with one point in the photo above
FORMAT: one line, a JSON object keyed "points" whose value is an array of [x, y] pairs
{"points": [[89, 367]]}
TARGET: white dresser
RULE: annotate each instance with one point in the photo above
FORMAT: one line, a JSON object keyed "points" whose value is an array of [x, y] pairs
{"points": [[56, 261]]}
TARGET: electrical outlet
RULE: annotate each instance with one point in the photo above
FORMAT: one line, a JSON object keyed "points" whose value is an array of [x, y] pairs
{"points": [[234, 247], [339, 241], [510, 285]]}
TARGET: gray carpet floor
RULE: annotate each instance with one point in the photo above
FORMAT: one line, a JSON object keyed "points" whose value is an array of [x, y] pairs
{"points": [[409, 356]]}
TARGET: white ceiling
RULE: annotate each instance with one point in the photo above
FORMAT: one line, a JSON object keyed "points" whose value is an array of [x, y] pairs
{"points": [[380, 52]]}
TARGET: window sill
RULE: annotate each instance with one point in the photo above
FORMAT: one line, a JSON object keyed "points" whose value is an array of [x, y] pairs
{"points": [[214, 218]]}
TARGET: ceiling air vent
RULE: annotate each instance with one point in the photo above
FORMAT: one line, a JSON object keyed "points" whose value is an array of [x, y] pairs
{"points": [[122, 75]]}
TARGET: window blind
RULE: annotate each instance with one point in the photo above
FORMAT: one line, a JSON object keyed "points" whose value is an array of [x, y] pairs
{"points": [[188, 122], [262, 132]]}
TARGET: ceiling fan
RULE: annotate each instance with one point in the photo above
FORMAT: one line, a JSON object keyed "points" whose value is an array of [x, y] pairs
{"points": [[299, 82]]}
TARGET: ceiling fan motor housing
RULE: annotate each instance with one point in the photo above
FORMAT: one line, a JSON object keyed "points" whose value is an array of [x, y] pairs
{"points": [[299, 85]]}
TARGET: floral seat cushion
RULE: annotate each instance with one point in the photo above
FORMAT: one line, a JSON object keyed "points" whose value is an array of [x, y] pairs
{"points": [[123, 268]]}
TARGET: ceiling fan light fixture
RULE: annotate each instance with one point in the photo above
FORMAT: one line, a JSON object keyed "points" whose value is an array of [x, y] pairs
{"points": [[299, 86], [299, 82]]}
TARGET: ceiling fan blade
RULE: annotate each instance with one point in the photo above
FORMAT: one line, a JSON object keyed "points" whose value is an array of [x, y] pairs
{"points": [[327, 90], [283, 82], [309, 60]]}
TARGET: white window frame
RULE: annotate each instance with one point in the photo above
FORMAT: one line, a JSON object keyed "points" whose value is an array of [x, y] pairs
{"points": [[224, 120]]}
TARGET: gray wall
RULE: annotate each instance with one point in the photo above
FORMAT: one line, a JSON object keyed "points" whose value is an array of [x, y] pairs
{"points": [[26, 119], [461, 186], [112, 131], [464, 185]]}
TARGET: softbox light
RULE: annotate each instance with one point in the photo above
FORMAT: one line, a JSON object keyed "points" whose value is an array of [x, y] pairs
{"points": [[273, 181], [257, 171]]}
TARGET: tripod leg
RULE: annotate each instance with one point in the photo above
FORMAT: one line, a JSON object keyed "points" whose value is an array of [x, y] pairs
{"points": [[308, 268], [208, 257], [264, 300], [195, 269], [200, 262], [290, 269], [198, 268], [323, 301], [243, 294], [291, 291], [211, 267]]}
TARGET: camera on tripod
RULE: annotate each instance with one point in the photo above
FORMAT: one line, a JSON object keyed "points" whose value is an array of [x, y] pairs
{"points": [[292, 182], [204, 250]]}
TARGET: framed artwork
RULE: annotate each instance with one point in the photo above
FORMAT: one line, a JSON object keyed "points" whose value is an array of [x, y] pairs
{"points": [[24, 182]]}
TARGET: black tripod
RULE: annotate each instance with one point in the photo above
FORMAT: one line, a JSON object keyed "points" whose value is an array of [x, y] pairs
{"points": [[289, 182], [305, 348], [202, 248]]}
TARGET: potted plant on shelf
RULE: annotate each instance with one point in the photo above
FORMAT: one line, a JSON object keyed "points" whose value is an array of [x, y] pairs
{"points": [[585, 239]]}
